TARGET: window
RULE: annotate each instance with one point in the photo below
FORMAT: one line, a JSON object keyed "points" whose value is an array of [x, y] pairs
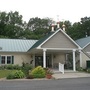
{"points": [[7, 59], [3, 60]]}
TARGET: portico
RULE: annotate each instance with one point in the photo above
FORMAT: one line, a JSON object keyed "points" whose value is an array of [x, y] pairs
{"points": [[57, 45]]}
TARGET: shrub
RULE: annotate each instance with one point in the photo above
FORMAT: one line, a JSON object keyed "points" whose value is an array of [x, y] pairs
{"points": [[26, 69], [30, 76], [88, 70], [38, 72], [16, 75], [10, 67], [80, 69], [16, 67], [2, 67]]}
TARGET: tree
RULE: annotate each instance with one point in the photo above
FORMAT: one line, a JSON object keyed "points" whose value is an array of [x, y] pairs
{"points": [[80, 29], [11, 25], [39, 27]]}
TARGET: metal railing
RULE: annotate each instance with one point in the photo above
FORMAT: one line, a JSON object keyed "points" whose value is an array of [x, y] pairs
{"points": [[61, 68]]}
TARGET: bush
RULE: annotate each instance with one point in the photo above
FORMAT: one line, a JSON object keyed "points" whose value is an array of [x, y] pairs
{"points": [[16, 67], [88, 70], [80, 69], [2, 67], [10, 67], [38, 72], [26, 69], [16, 75], [30, 76]]}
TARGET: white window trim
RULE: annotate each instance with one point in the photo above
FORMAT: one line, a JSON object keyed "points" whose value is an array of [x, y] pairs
{"points": [[6, 59]]}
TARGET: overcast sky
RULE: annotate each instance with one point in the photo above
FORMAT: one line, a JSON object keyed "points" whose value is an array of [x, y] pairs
{"points": [[71, 10]]}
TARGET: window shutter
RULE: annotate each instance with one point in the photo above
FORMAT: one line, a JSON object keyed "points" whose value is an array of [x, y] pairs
{"points": [[0, 59], [12, 59]]}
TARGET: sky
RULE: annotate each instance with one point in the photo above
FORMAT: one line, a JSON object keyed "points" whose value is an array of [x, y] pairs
{"points": [[72, 10]]}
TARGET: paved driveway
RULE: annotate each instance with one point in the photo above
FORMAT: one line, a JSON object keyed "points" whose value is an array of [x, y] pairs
{"points": [[62, 84]]}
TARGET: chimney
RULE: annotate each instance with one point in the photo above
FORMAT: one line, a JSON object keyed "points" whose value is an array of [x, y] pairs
{"points": [[52, 28], [63, 26], [58, 22]]}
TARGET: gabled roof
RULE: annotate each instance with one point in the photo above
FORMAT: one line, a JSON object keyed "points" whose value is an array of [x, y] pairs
{"points": [[47, 37], [83, 41], [41, 40], [16, 45]]}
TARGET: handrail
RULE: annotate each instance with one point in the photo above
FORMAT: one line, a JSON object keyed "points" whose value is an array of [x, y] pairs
{"points": [[61, 68]]}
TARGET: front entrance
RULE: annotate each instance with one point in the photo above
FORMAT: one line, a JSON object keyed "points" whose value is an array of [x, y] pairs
{"points": [[68, 62], [39, 61]]}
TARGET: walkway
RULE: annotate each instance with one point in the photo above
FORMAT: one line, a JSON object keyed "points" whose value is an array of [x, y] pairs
{"points": [[70, 75]]}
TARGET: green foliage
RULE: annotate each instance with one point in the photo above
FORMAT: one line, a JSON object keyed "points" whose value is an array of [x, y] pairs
{"points": [[10, 67], [88, 70], [38, 72], [16, 67], [16, 75], [26, 68], [2, 67], [30, 76], [12, 26], [80, 69]]}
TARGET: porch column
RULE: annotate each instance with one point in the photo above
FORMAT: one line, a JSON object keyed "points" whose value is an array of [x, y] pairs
{"points": [[52, 60], [74, 63], [33, 60], [80, 58], [44, 58]]}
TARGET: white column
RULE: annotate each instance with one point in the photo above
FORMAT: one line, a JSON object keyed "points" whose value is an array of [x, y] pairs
{"points": [[74, 63], [52, 60], [33, 60], [44, 58], [80, 58]]}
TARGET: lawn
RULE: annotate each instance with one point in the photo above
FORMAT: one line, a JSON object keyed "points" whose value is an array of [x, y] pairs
{"points": [[4, 73]]}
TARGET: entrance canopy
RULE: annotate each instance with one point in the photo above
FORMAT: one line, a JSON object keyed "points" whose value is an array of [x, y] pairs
{"points": [[57, 42]]}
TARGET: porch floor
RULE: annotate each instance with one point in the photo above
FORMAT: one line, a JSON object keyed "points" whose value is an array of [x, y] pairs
{"points": [[65, 71]]}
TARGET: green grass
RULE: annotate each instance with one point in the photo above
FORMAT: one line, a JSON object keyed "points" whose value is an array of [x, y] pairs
{"points": [[4, 73]]}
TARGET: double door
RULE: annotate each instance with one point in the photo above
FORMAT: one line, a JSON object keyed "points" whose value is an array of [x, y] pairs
{"points": [[39, 61]]}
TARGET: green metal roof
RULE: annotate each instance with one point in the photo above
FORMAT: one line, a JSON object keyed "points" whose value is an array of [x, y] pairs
{"points": [[16, 45], [41, 41], [83, 41]]}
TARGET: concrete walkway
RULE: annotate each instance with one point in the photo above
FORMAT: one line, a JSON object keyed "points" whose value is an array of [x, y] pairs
{"points": [[71, 75]]}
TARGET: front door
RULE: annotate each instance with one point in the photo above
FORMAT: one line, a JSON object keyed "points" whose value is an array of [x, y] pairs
{"points": [[69, 62], [39, 61]]}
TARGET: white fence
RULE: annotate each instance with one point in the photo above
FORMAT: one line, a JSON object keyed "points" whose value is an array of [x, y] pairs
{"points": [[61, 68]]}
